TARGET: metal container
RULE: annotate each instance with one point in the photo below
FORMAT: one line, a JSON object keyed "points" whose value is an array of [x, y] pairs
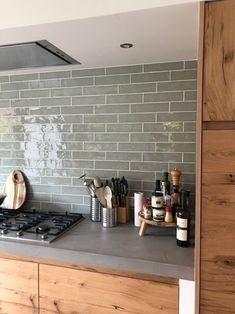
{"points": [[109, 217], [95, 209]]}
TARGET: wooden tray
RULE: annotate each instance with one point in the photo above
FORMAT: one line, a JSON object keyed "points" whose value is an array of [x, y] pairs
{"points": [[146, 222]]}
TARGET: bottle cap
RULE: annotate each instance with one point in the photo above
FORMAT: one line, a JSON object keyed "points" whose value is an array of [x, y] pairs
{"points": [[168, 209], [147, 201]]}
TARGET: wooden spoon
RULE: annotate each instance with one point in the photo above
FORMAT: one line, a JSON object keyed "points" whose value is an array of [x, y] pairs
{"points": [[99, 192], [97, 182], [108, 196]]}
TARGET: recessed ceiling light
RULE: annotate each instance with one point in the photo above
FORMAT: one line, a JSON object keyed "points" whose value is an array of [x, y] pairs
{"points": [[126, 45]]}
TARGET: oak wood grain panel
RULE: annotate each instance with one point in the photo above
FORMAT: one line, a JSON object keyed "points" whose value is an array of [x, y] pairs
{"points": [[92, 268], [219, 43], [216, 302], [66, 291], [218, 218], [217, 276], [219, 125], [18, 287], [219, 151], [199, 156]]}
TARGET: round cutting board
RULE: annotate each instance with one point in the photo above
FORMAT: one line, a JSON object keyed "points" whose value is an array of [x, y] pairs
{"points": [[15, 189]]}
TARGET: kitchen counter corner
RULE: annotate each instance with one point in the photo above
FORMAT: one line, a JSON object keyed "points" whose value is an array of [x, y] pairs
{"points": [[120, 248]]}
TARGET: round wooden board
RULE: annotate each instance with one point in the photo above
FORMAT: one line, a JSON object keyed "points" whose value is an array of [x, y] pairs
{"points": [[146, 222], [15, 189], [157, 223]]}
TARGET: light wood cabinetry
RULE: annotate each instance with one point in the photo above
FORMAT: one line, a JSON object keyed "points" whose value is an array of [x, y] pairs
{"points": [[63, 290], [34, 287], [219, 61], [215, 233], [18, 287], [218, 222]]}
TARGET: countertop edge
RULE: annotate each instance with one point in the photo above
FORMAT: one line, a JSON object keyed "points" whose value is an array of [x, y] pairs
{"points": [[98, 260]]}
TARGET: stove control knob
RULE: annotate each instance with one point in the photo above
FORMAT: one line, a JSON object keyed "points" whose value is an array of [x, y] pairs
{"points": [[44, 236], [19, 233], [4, 231]]}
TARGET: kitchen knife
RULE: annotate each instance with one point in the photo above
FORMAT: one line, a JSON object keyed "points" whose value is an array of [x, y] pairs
{"points": [[122, 195]]}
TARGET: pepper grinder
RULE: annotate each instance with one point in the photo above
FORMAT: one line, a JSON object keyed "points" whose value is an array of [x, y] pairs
{"points": [[175, 175]]}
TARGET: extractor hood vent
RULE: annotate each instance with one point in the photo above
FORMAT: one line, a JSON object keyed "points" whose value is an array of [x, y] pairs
{"points": [[32, 54]]}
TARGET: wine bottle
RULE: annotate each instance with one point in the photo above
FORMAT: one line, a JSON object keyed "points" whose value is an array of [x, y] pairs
{"points": [[183, 221]]}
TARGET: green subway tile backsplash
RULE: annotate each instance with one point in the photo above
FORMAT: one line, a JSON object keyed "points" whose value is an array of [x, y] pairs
{"points": [[134, 120]]}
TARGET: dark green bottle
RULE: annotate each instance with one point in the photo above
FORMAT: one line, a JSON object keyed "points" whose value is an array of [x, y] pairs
{"points": [[158, 186], [165, 184]]}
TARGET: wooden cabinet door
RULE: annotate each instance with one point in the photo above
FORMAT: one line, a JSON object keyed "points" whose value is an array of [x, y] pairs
{"points": [[219, 61], [66, 291], [217, 276], [18, 287]]}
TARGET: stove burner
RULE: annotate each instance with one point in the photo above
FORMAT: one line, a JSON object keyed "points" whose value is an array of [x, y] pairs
{"points": [[35, 225], [9, 225]]}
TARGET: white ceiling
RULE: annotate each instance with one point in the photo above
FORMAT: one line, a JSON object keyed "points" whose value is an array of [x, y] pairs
{"points": [[92, 34]]}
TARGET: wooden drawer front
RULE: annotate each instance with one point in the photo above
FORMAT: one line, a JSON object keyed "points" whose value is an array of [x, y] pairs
{"points": [[217, 274], [18, 287], [219, 151], [65, 291], [218, 285], [219, 58]]}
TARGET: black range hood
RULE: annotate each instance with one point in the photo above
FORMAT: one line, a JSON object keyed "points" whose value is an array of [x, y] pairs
{"points": [[32, 54]]}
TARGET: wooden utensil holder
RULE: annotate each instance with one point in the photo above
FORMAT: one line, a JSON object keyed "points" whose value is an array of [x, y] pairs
{"points": [[124, 213]]}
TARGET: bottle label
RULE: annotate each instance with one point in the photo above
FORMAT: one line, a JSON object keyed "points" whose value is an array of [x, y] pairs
{"points": [[157, 201], [158, 214], [182, 223], [181, 234]]}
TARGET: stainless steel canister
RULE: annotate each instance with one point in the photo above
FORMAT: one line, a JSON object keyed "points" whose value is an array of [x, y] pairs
{"points": [[95, 209], [109, 217]]}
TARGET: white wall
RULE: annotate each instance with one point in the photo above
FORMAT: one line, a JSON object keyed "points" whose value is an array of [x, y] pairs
{"points": [[186, 297], [15, 13]]}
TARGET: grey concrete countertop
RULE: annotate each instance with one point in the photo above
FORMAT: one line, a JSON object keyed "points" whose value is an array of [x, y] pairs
{"points": [[119, 247]]}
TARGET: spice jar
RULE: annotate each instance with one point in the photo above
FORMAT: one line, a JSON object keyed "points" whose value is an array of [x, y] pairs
{"points": [[158, 214], [147, 209], [157, 200], [169, 215]]}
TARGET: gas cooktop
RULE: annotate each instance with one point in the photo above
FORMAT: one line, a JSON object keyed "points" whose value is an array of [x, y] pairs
{"points": [[33, 225]]}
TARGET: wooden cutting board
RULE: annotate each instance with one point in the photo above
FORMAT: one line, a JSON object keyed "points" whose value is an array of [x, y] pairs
{"points": [[15, 189]]}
